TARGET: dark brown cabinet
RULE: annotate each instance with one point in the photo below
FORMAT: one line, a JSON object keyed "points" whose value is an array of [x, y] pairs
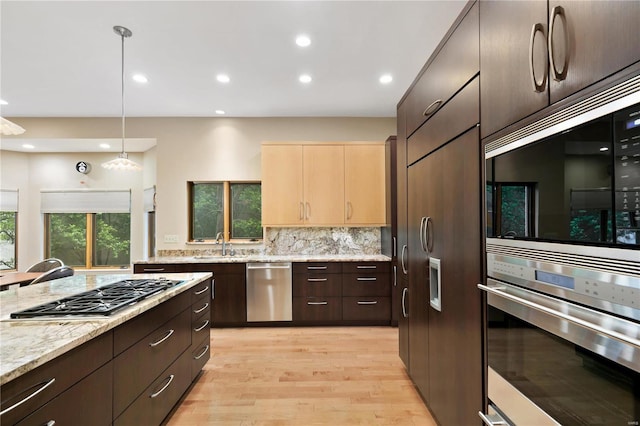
{"points": [[535, 53], [400, 264], [366, 292], [317, 293], [200, 348]]}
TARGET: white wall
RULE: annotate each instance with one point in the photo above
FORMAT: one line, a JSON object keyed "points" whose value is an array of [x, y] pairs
{"points": [[187, 149]]}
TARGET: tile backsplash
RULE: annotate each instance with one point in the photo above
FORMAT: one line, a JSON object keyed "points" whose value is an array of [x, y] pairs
{"points": [[342, 240]]}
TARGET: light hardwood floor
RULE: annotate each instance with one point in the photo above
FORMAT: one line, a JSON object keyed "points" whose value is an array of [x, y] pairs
{"points": [[303, 376]]}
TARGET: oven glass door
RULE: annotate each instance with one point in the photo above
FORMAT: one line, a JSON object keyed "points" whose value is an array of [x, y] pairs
{"points": [[569, 382]]}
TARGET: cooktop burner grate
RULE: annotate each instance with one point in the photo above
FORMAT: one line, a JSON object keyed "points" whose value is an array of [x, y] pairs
{"points": [[102, 301]]}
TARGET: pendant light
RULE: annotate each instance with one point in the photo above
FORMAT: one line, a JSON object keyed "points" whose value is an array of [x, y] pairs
{"points": [[122, 162]]}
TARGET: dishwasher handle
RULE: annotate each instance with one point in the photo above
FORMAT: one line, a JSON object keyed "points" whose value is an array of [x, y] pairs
{"points": [[269, 267]]}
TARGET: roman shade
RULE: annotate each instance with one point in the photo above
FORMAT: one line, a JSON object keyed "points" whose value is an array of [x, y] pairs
{"points": [[148, 199], [85, 201], [8, 200]]}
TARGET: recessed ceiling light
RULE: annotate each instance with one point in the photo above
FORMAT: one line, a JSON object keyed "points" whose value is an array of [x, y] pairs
{"points": [[223, 78], [105, 146], [140, 78], [219, 112], [3, 102], [303, 41], [386, 79], [604, 148], [305, 78], [28, 146]]}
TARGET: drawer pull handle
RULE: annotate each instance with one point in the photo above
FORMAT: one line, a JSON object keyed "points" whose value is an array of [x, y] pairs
{"points": [[367, 302], [169, 333], [50, 423], [22, 401], [206, 323], [367, 279], [197, 311], [153, 395], [312, 268], [366, 267], [316, 280], [153, 269], [197, 293], [317, 303], [432, 108], [204, 351]]}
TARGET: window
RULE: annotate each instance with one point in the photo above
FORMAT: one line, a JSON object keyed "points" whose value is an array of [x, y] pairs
{"points": [[88, 228], [514, 209], [8, 228], [229, 209]]}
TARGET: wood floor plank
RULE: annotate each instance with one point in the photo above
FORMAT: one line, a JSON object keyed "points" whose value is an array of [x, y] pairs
{"points": [[303, 376]]}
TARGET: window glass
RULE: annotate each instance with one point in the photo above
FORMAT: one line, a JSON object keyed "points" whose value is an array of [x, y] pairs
{"points": [[8, 240], [246, 208], [207, 205], [111, 244], [67, 240], [515, 210]]}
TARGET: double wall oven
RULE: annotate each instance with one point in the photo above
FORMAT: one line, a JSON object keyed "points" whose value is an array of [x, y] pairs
{"points": [[563, 266]]}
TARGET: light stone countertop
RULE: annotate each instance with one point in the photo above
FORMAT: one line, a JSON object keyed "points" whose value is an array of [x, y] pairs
{"points": [[28, 343], [216, 258]]}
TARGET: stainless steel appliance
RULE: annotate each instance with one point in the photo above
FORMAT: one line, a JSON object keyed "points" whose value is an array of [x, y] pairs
{"points": [[563, 266], [269, 292], [102, 301]]}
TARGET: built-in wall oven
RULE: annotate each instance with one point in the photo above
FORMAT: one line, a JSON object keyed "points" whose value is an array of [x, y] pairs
{"points": [[563, 266]]}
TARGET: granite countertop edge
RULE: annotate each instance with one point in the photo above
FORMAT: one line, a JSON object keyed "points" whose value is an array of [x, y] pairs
{"points": [[26, 344], [266, 258]]}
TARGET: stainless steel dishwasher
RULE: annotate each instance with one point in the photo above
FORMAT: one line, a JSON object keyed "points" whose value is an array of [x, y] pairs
{"points": [[269, 295]]}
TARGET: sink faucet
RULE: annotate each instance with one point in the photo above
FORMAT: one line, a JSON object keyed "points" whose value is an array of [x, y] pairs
{"points": [[224, 244]]}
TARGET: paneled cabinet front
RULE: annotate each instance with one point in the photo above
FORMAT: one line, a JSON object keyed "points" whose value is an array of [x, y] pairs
{"points": [[364, 192], [317, 292], [366, 291]]}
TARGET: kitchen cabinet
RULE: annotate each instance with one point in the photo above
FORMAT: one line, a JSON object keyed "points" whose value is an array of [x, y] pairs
{"points": [[228, 292], [400, 265], [536, 53], [366, 292], [365, 187], [329, 184], [389, 233], [317, 293], [200, 348]]}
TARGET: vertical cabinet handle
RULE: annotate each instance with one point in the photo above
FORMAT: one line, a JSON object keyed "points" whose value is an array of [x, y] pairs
{"points": [[558, 16], [422, 232], [404, 298], [301, 210], [394, 248], [395, 276], [428, 235], [404, 268], [539, 84], [307, 211], [213, 289], [349, 210]]}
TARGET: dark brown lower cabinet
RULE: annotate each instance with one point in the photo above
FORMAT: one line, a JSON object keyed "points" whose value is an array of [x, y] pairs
{"points": [[317, 309], [366, 308]]}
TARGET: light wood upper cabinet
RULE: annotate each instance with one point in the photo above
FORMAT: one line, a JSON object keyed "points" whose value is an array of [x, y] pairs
{"points": [[323, 184], [364, 171]]}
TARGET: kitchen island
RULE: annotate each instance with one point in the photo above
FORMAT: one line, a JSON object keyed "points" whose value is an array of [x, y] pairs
{"points": [[57, 360]]}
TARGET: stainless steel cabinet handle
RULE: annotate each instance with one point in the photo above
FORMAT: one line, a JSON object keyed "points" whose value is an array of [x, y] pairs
{"points": [[314, 268], [50, 423], [169, 333], [491, 420], [367, 302], [404, 298], [537, 86], [395, 275], [204, 351], [558, 75], [153, 395], [197, 311], [197, 329], [201, 291], [22, 401], [422, 222], [349, 210], [316, 280], [307, 211], [301, 210], [394, 247], [366, 279], [366, 267], [428, 235], [432, 108], [317, 303], [213, 289], [404, 268], [153, 269]]}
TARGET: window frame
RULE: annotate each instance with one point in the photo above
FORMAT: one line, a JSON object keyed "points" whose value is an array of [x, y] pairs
{"points": [[226, 211], [15, 243]]}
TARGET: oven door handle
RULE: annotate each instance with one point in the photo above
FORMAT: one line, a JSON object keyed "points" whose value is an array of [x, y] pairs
{"points": [[492, 419], [497, 290]]}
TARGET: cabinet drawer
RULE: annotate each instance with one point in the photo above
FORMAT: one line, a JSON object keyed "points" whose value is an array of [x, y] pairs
{"points": [[155, 268], [86, 403], [366, 285], [201, 291], [199, 308], [157, 400], [317, 267], [217, 268], [323, 285], [141, 364], [365, 267], [66, 369], [201, 326], [457, 116], [366, 308], [200, 354], [437, 82], [307, 309]]}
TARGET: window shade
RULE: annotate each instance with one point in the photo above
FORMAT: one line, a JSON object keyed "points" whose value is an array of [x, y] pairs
{"points": [[147, 199], [85, 201], [8, 200]]}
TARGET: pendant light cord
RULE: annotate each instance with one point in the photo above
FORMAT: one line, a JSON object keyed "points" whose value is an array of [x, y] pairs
{"points": [[122, 37]]}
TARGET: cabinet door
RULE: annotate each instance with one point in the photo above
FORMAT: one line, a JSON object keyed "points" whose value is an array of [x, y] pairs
{"points": [[282, 186], [507, 91], [323, 167], [402, 295], [364, 172], [601, 38], [229, 303]]}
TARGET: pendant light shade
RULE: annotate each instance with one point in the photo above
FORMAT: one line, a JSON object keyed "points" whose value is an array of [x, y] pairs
{"points": [[122, 162], [9, 127]]}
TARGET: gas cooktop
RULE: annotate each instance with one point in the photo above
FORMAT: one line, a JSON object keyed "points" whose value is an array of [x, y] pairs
{"points": [[102, 301]]}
